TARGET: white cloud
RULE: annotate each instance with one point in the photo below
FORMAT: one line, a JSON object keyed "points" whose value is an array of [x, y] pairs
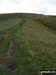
{"points": [[51, 9], [29, 6]]}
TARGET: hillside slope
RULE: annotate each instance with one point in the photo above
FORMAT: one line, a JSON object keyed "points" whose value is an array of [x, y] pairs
{"points": [[27, 44]]}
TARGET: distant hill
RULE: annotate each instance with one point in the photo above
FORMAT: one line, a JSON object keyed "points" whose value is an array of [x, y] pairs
{"points": [[27, 43]]}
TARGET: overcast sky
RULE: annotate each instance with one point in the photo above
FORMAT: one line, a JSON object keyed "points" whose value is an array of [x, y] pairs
{"points": [[47, 7]]}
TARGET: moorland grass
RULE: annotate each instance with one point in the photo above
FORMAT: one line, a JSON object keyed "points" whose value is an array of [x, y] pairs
{"points": [[35, 43]]}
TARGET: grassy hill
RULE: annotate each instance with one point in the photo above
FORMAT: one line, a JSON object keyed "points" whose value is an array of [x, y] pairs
{"points": [[27, 44]]}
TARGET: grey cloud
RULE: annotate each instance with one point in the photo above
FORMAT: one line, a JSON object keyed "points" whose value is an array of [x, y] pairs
{"points": [[52, 1], [0, 0]]}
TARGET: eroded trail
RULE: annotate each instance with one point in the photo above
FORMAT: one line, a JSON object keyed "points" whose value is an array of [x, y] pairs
{"points": [[12, 48], [9, 61], [10, 54]]}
